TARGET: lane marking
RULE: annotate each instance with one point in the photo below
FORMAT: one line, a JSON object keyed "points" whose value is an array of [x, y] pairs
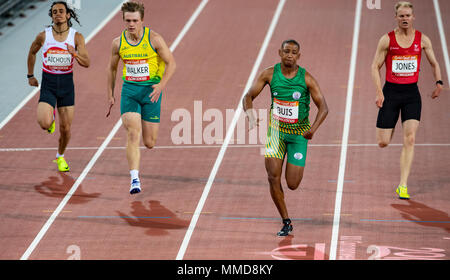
{"points": [[34, 91], [229, 134], [122, 217], [443, 39], [402, 221], [263, 218], [207, 146], [345, 134], [108, 139]]}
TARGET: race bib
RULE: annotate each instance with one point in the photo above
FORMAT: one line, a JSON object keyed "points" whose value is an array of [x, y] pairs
{"points": [[137, 70], [58, 59], [404, 65], [285, 111]]}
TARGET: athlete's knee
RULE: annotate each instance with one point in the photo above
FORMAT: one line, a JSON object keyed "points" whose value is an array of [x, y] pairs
{"points": [[133, 135], [64, 129], [149, 143], [294, 185], [409, 140], [273, 178], [383, 143]]}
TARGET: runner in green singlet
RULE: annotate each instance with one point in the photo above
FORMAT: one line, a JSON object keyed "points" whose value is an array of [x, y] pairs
{"points": [[289, 130]]}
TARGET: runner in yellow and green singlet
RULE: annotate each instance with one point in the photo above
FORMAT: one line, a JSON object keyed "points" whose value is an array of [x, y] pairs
{"points": [[291, 88], [148, 66]]}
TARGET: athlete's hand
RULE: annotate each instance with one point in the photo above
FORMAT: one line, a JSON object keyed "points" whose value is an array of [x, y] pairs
{"points": [[379, 100], [436, 92], [71, 49], [308, 135], [252, 124], [33, 82], [111, 101], [154, 96]]}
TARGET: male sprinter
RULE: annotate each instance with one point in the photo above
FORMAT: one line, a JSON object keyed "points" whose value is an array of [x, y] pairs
{"points": [[62, 45], [289, 130], [148, 66], [400, 50]]}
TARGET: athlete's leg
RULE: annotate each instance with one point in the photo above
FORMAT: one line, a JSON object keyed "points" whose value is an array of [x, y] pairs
{"points": [[45, 115], [132, 123], [65, 115], [384, 136], [294, 175], [149, 133], [409, 137], [274, 167]]}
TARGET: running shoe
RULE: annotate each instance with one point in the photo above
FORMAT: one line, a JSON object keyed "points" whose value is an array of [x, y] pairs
{"points": [[51, 129], [135, 186], [62, 164], [402, 192], [286, 229]]}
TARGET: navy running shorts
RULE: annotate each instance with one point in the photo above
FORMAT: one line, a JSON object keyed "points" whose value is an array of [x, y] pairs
{"points": [[399, 100], [57, 89]]}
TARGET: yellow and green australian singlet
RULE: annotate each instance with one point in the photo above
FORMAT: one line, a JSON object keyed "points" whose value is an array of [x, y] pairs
{"points": [[142, 64], [290, 102]]}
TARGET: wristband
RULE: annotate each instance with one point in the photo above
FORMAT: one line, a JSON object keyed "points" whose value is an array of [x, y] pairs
{"points": [[74, 55], [30, 76], [440, 82]]}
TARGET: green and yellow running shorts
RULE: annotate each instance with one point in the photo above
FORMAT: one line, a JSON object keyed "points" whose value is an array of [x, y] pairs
{"points": [[278, 144], [136, 98]]}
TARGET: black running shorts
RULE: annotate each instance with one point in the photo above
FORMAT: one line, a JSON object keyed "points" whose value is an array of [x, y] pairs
{"points": [[57, 89], [399, 99]]}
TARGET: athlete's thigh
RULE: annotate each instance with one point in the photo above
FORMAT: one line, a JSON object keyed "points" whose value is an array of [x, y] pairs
{"points": [[384, 135], [274, 167], [132, 121], [149, 133], [294, 175], [45, 113], [410, 127]]}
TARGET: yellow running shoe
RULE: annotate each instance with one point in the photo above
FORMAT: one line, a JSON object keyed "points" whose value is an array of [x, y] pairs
{"points": [[62, 164], [402, 192], [51, 129]]}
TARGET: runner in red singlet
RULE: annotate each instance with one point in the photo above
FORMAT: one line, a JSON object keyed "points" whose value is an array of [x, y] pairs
{"points": [[401, 51], [61, 47]]}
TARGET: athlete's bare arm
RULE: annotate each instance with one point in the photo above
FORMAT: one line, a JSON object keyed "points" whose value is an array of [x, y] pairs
{"points": [[166, 55], [428, 48], [82, 57], [35, 47], [378, 61], [112, 70], [319, 101], [261, 81]]}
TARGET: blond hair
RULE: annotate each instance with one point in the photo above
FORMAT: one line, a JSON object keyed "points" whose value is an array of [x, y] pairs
{"points": [[133, 7], [403, 4]]}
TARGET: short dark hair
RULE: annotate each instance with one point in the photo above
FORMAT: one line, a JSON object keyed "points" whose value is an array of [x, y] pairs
{"points": [[290, 41], [70, 11], [133, 7]]}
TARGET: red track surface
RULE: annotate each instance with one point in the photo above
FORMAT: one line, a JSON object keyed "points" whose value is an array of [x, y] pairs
{"points": [[239, 220]]}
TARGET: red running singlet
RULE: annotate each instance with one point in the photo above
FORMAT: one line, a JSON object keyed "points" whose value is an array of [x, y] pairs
{"points": [[403, 64]]}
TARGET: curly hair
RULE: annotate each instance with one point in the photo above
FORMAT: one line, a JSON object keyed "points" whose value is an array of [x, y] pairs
{"points": [[71, 12]]}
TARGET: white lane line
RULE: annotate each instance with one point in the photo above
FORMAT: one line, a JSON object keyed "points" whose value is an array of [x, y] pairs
{"points": [[91, 163], [168, 147], [443, 39], [35, 90], [348, 108], [229, 134]]}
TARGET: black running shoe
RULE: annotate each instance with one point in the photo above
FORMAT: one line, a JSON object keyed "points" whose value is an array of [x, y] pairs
{"points": [[287, 228]]}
